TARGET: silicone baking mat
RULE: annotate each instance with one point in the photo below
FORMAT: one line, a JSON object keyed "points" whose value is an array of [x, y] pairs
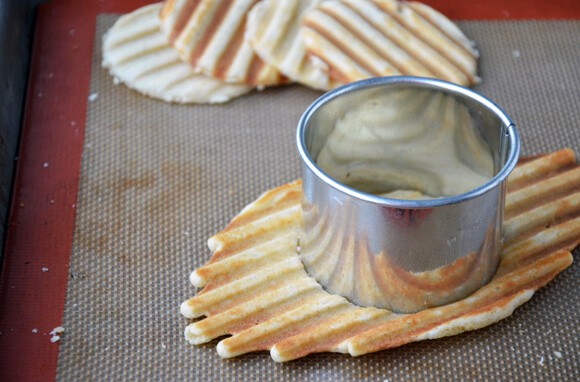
{"points": [[157, 180]]}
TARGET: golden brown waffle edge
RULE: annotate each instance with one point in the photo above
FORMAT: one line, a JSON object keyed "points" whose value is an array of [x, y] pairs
{"points": [[256, 289]]}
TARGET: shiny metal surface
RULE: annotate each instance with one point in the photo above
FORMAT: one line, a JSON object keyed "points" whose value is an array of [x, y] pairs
{"points": [[403, 255]]}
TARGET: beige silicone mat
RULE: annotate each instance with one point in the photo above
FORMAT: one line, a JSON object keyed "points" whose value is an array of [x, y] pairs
{"points": [[157, 180]]}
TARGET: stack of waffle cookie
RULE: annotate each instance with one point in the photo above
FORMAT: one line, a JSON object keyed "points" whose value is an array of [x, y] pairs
{"points": [[211, 51]]}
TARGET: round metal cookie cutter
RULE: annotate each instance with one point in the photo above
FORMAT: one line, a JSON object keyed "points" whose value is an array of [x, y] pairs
{"points": [[402, 255]]}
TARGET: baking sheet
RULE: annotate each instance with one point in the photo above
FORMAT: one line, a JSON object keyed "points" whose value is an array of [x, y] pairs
{"points": [[157, 180]]}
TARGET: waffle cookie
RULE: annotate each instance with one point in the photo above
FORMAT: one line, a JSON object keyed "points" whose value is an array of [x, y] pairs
{"points": [[273, 31], [359, 39], [139, 55], [209, 35], [255, 287]]}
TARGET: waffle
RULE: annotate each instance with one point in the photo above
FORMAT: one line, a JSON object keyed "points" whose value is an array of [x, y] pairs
{"points": [[209, 35], [359, 39], [138, 55], [256, 289], [273, 31]]}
